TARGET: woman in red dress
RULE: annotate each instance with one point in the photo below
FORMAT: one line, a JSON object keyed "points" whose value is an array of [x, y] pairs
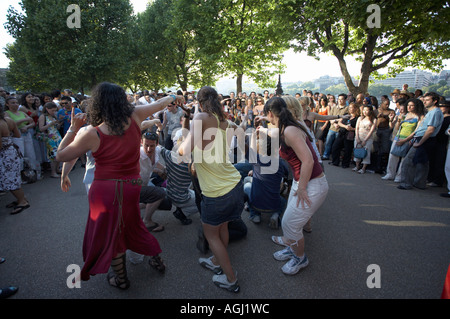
{"points": [[114, 224]]}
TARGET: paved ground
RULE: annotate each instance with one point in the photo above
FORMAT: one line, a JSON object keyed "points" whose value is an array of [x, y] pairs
{"points": [[364, 221]]}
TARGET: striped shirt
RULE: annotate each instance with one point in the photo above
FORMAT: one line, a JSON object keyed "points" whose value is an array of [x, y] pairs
{"points": [[178, 178]]}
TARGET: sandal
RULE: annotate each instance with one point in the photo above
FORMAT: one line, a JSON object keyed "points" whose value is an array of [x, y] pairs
{"points": [[157, 263], [18, 209], [156, 228], [12, 204], [119, 273], [279, 241]]}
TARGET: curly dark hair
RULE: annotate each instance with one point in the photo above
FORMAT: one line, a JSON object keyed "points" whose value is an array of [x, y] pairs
{"points": [[109, 105]]}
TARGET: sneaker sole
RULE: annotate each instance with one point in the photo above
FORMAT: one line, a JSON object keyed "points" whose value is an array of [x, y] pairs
{"points": [[233, 288]]}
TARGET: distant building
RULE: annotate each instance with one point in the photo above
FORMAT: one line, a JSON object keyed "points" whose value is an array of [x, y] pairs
{"points": [[444, 75], [326, 81], [416, 79]]}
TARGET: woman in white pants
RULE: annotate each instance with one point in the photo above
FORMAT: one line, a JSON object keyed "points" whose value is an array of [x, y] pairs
{"points": [[309, 188]]}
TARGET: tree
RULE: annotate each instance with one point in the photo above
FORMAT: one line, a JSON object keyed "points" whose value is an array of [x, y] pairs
{"points": [[68, 56], [170, 45], [441, 88], [246, 36], [411, 33]]}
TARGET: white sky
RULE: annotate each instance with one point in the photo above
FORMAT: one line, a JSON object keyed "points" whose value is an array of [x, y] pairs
{"points": [[299, 67]]}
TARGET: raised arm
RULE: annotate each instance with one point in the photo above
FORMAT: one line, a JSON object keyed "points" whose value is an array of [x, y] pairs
{"points": [[144, 111]]}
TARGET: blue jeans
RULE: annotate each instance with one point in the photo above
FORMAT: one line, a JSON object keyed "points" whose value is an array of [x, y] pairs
{"points": [[255, 212], [329, 143]]}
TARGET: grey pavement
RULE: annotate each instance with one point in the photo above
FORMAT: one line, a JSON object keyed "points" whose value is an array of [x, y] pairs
{"points": [[364, 221]]}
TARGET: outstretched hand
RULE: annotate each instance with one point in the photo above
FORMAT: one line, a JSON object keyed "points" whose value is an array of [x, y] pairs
{"points": [[77, 120]]}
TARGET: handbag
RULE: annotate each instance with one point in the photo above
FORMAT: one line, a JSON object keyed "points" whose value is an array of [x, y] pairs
{"points": [[400, 150], [360, 152]]}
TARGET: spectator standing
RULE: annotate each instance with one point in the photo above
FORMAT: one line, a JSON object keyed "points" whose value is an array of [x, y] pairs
{"points": [[10, 179], [436, 176], [340, 110], [49, 126], [365, 127], [405, 126], [64, 114], [416, 163]]}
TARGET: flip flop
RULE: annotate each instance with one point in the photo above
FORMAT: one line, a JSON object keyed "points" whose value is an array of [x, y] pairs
{"points": [[156, 228], [20, 209], [279, 241], [7, 292], [12, 204]]}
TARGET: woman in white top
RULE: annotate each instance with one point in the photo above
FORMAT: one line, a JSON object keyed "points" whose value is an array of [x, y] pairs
{"points": [[365, 127]]}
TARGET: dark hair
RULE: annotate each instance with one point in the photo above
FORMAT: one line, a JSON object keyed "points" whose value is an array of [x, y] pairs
{"points": [[434, 96], [55, 93], [9, 99], [320, 101], [150, 136], [209, 99], [49, 105], [23, 100], [371, 113], [66, 98], [402, 101], [109, 105], [285, 118], [419, 108], [344, 95]]}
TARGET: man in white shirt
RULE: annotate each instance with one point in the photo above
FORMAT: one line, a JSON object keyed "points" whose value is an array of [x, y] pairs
{"points": [[150, 195]]}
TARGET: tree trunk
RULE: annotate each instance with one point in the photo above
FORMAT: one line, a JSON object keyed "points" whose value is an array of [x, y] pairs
{"points": [[239, 83]]}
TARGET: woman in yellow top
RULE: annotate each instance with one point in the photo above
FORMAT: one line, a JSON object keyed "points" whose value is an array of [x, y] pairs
{"points": [[222, 190]]}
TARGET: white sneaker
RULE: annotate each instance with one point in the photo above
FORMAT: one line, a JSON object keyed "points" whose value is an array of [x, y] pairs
{"points": [[221, 281], [294, 265], [361, 171], [208, 264], [284, 254], [387, 177]]}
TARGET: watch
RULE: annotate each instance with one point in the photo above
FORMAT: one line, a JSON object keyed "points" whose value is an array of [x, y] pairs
{"points": [[71, 131]]}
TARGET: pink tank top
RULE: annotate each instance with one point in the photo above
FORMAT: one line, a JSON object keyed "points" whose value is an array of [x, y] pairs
{"points": [[118, 156]]}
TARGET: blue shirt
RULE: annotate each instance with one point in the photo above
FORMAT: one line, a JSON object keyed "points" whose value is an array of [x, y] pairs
{"points": [[65, 116], [432, 118]]}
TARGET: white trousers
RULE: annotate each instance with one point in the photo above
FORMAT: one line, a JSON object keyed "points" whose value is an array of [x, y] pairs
{"points": [[294, 217]]}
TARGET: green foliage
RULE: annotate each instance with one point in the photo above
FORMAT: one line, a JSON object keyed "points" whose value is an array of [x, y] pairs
{"points": [[441, 88], [412, 33], [57, 56], [246, 36]]}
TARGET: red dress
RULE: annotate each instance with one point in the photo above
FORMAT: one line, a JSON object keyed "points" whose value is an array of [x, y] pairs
{"points": [[114, 224]]}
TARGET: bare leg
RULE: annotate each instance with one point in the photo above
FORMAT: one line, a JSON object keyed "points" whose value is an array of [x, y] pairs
{"points": [[150, 209], [217, 237], [20, 196]]}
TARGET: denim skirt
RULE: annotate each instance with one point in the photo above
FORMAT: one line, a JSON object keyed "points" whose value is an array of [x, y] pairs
{"points": [[218, 210]]}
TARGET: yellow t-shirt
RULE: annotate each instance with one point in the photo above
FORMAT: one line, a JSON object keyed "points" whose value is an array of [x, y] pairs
{"points": [[216, 175]]}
